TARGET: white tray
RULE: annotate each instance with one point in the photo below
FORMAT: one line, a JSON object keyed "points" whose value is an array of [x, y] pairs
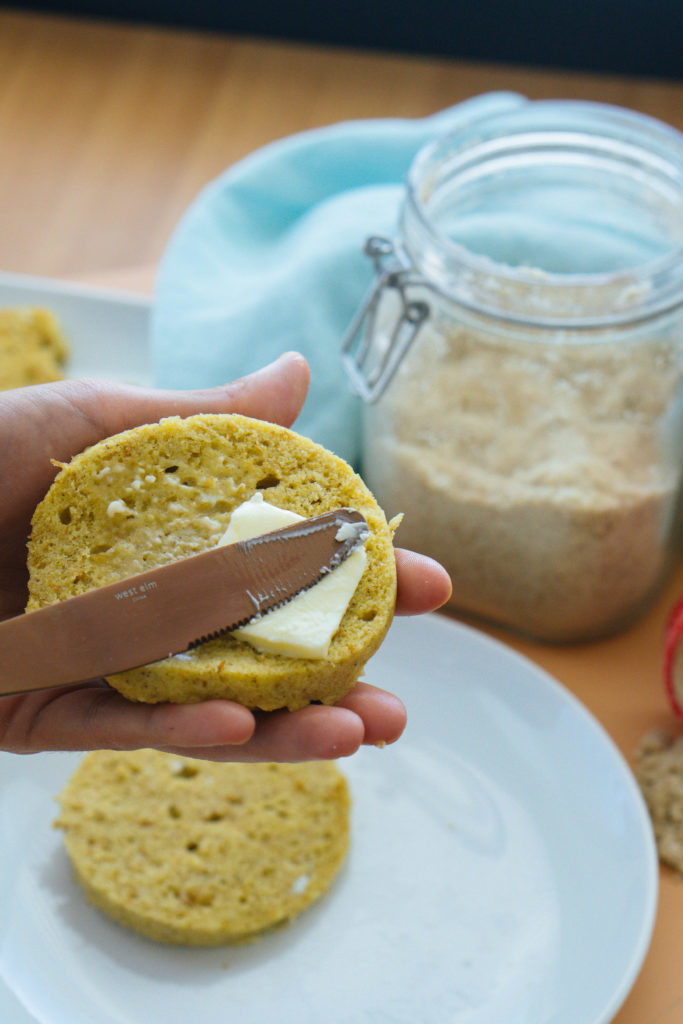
{"points": [[108, 331]]}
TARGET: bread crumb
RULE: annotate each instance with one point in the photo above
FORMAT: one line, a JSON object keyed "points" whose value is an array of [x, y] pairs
{"points": [[659, 771], [118, 508], [395, 522]]}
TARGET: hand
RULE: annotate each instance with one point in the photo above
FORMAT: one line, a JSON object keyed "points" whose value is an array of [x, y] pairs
{"points": [[56, 421]]}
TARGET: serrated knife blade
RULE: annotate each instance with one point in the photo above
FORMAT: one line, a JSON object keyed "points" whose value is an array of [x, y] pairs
{"points": [[170, 609]]}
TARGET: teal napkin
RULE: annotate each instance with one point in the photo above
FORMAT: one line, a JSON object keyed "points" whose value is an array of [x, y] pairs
{"points": [[269, 258]]}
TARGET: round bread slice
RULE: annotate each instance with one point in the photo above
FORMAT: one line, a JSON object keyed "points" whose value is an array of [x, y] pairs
{"points": [[200, 853], [166, 490]]}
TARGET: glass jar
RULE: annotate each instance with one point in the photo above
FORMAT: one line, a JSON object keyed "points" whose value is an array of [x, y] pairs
{"points": [[521, 357]]}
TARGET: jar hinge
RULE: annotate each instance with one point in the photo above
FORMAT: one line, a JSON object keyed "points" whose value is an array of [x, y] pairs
{"points": [[369, 357]]}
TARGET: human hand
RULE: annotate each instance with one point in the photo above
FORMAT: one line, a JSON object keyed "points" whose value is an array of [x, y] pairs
{"points": [[56, 421]]}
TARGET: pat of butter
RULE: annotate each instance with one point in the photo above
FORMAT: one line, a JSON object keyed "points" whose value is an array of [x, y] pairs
{"points": [[304, 627]]}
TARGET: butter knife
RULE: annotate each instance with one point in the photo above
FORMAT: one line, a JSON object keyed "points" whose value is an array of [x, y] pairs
{"points": [[170, 609]]}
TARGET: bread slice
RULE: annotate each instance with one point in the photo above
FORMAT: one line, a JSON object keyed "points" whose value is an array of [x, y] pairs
{"points": [[200, 853], [166, 490], [33, 349]]}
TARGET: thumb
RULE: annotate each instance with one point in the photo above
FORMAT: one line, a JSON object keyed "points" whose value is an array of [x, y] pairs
{"points": [[275, 393], [57, 421]]}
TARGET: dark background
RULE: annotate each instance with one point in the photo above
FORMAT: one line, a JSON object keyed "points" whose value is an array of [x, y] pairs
{"points": [[637, 37]]}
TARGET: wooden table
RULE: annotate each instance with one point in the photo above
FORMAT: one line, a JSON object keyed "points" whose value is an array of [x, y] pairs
{"points": [[107, 133]]}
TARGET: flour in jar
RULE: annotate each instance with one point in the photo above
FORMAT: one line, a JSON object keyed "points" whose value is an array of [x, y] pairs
{"points": [[540, 475]]}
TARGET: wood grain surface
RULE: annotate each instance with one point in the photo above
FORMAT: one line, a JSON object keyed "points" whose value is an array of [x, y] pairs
{"points": [[108, 132]]}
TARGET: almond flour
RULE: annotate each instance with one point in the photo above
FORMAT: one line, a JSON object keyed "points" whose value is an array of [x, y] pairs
{"points": [[542, 476]]}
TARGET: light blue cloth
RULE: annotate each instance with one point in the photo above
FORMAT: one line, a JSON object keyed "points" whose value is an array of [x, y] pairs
{"points": [[269, 258]]}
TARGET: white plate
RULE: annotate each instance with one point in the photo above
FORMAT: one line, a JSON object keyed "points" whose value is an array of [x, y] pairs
{"points": [[107, 331], [502, 871], [108, 334]]}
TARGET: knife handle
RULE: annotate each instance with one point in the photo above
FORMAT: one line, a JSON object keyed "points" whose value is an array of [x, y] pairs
{"points": [[51, 646]]}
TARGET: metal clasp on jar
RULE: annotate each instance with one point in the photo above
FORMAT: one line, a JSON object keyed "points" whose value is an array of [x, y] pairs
{"points": [[371, 356]]}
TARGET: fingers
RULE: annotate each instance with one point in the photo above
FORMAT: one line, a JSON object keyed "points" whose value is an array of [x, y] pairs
{"points": [[314, 733], [71, 415], [97, 718], [382, 713], [423, 585], [367, 715], [275, 393]]}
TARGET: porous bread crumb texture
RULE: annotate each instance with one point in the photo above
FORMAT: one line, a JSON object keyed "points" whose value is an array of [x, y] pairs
{"points": [[33, 349], [165, 491], [199, 853], [543, 476], [659, 771]]}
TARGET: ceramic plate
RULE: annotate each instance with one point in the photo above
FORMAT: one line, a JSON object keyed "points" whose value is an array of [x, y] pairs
{"points": [[107, 331], [502, 870]]}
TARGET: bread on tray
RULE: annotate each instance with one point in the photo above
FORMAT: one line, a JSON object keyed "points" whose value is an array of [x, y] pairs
{"points": [[33, 349]]}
